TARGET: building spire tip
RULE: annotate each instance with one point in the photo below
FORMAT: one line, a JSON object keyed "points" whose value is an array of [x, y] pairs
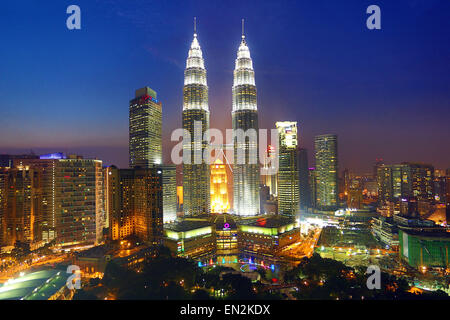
{"points": [[195, 26]]}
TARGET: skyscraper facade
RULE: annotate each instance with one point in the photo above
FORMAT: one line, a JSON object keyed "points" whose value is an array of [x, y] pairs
{"points": [[219, 188], [270, 180], [21, 200], [145, 125], [195, 119], [326, 171], [135, 203], [288, 174], [303, 179], [3, 190], [246, 174], [312, 186], [72, 198], [405, 180], [169, 187]]}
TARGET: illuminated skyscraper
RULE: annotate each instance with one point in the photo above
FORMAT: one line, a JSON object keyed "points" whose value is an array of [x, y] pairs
{"points": [[3, 190], [145, 129], [288, 175], [135, 203], [169, 187], [312, 186], [196, 180], [246, 175], [72, 200], [405, 180], [219, 188], [270, 180], [326, 171], [21, 199]]}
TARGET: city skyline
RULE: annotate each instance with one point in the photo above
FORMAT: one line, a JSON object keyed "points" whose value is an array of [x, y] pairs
{"points": [[415, 134], [185, 212]]}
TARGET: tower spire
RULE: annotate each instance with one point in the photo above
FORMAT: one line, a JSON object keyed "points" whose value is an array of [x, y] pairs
{"points": [[243, 36], [195, 25]]}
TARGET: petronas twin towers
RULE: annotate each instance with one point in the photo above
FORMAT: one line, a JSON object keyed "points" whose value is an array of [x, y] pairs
{"points": [[196, 176]]}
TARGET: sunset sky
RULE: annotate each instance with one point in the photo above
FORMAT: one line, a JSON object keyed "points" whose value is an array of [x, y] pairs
{"points": [[385, 93]]}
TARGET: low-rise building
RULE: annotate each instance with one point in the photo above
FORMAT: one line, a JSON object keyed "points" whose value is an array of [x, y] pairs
{"points": [[267, 235], [190, 238], [386, 231], [424, 250]]}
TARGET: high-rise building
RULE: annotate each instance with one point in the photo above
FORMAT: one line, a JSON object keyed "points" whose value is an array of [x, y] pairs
{"points": [[6, 160], [169, 185], [303, 179], [378, 163], [422, 181], [326, 171], [196, 180], [270, 180], [135, 203], [405, 180], [219, 188], [246, 175], [448, 197], [21, 201], [72, 199], [312, 186], [145, 127], [3, 190], [288, 174]]}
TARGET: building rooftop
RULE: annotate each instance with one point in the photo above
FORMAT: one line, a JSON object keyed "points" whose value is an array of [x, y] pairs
{"points": [[439, 234], [38, 285], [268, 221], [187, 225]]}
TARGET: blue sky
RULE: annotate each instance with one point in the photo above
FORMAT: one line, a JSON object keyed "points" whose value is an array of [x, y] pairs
{"points": [[386, 93]]}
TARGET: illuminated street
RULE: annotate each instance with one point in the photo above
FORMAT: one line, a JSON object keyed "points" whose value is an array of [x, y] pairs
{"points": [[304, 247]]}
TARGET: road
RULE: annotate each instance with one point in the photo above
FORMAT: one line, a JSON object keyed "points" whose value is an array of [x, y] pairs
{"points": [[303, 248]]}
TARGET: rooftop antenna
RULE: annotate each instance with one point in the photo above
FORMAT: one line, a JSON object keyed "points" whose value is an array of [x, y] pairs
{"points": [[243, 36], [195, 25]]}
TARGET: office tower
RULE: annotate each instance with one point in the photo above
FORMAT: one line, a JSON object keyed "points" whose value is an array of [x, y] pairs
{"points": [[195, 120], [448, 197], [105, 180], [270, 180], [313, 186], [120, 222], [219, 188], [246, 175], [440, 188], [355, 194], [120, 202], [135, 203], [393, 182], [405, 180], [422, 181], [72, 200], [147, 210], [326, 171], [169, 185], [3, 190], [145, 129], [288, 173], [22, 206], [179, 198], [303, 179], [378, 163], [6, 160], [78, 184]]}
